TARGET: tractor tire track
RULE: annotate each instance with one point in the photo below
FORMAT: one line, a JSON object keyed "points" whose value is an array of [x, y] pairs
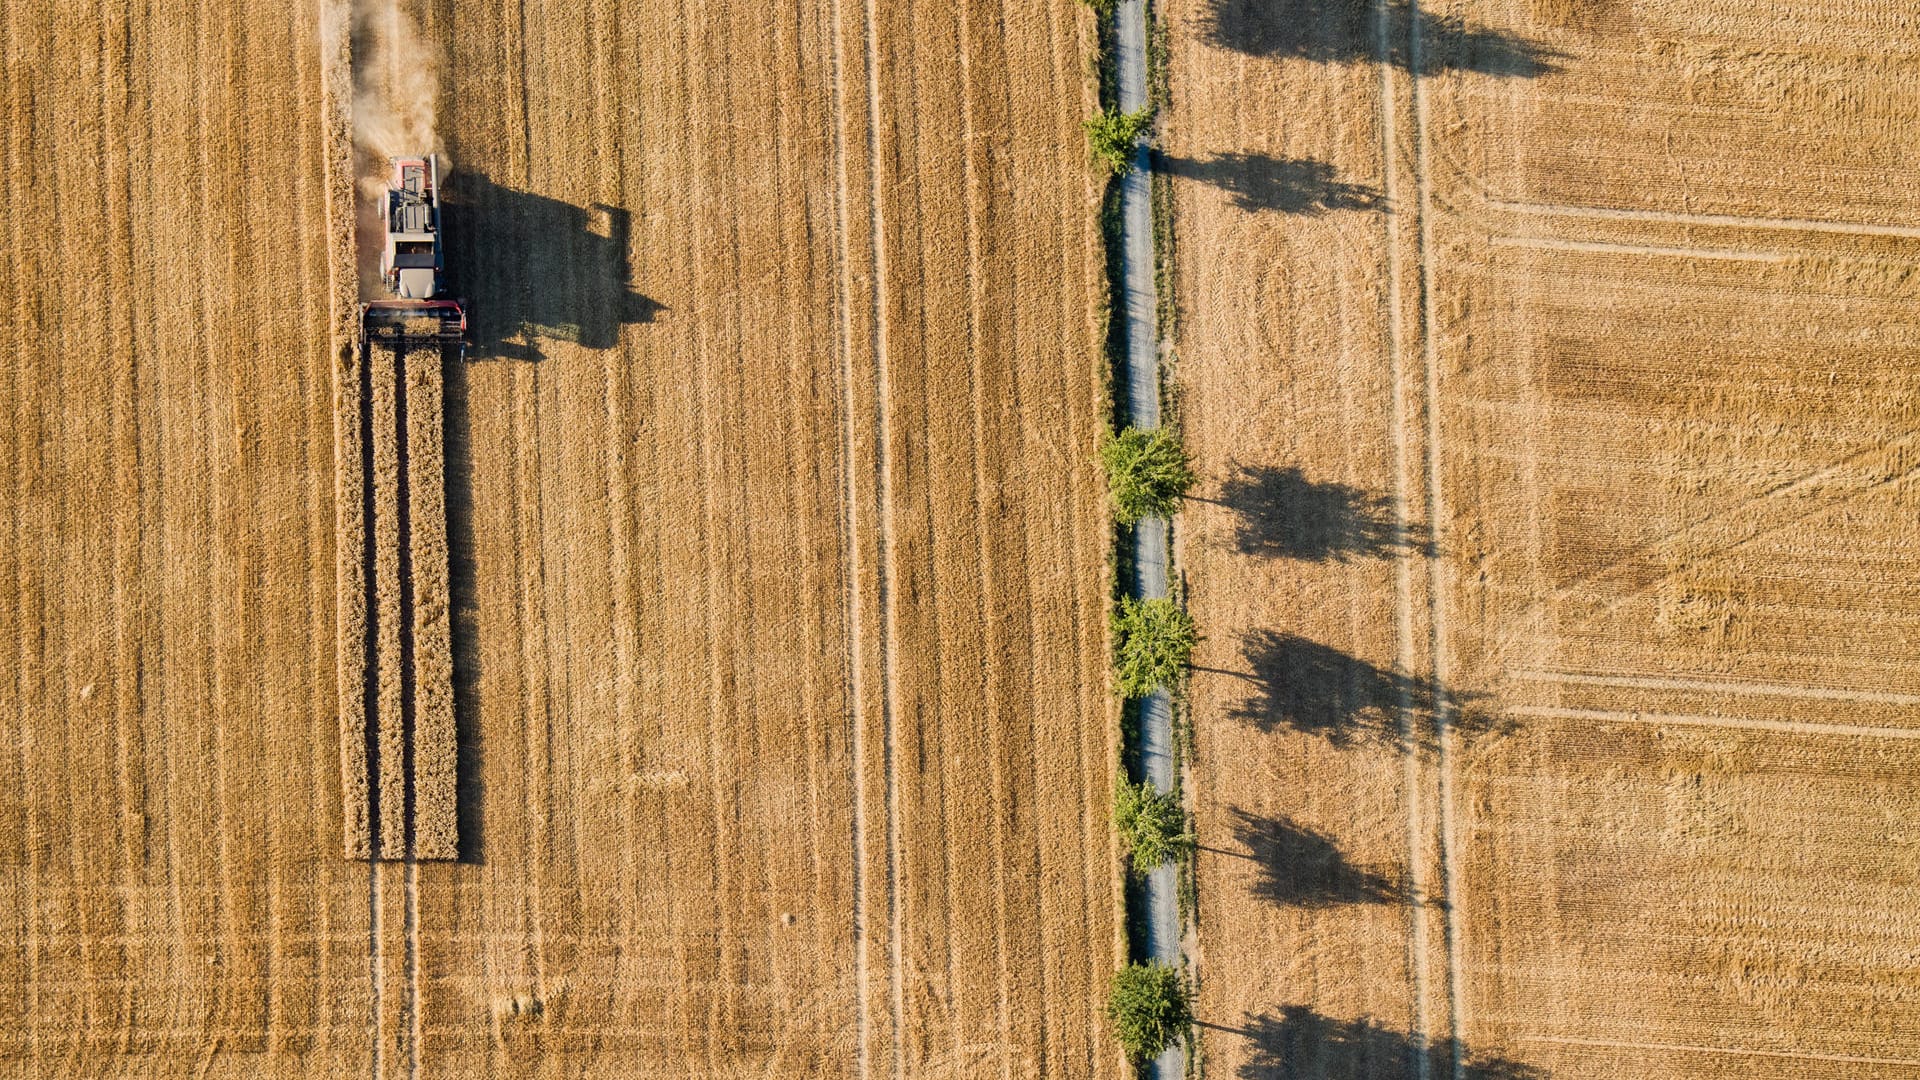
{"points": [[856, 444], [850, 548], [1410, 736], [1672, 217], [403, 533], [1709, 720], [1437, 628], [883, 498], [370, 692], [1731, 687]]}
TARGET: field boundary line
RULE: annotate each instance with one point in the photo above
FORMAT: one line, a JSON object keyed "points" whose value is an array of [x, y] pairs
{"points": [[1403, 565], [1607, 247], [1670, 217], [1739, 723], [1731, 1051], [1435, 552], [1751, 687]]}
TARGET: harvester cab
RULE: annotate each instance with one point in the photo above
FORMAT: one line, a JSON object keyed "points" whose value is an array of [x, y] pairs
{"points": [[412, 264]]}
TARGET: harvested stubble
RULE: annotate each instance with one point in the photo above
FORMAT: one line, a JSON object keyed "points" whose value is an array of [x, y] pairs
{"points": [[1559, 668], [435, 833]]}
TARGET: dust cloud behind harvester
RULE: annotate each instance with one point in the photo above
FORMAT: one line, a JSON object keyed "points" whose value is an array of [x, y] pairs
{"points": [[393, 645]]}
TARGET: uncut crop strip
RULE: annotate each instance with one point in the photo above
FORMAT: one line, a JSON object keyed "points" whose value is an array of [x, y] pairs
{"points": [[396, 659]]}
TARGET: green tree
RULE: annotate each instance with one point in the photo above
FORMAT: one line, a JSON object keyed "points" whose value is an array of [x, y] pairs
{"points": [[1152, 824], [1147, 472], [1147, 1004], [1100, 7], [1152, 642], [1113, 135]]}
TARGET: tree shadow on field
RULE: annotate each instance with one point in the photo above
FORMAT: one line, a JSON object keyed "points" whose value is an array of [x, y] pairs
{"points": [[1302, 868], [536, 269], [1347, 31], [469, 787], [1257, 182], [1304, 686], [1301, 1044], [1282, 513]]}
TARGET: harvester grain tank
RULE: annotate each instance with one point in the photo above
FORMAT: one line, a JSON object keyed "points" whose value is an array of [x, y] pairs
{"points": [[413, 263]]}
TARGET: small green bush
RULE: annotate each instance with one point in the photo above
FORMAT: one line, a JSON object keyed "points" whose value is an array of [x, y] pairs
{"points": [[1102, 8], [1152, 642], [1152, 824], [1147, 1004], [1147, 472], [1113, 134]]}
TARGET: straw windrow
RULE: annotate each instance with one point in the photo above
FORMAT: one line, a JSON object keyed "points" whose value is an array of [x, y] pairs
{"points": [[435, 822], [352, 481], [388, 673]]}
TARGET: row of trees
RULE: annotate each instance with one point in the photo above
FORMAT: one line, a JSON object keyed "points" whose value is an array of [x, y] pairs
{"points": [[1147, 474]]}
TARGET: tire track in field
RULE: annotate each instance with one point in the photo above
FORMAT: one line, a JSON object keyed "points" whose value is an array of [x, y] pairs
{"points": [[712, 985], [1733, 1051], [742, 682], [1711, 720], [1403, 566], [884, 539], [1673, 217], [370, 694], [1436, 564], [1750, 687], [216, 557], [1608, 247], [410, 1011], [403, 532], [1742, 522], [849, 528]]}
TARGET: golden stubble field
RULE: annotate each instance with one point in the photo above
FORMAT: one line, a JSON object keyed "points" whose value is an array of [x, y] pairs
{"points": [[1550, 367], [773, 535]]}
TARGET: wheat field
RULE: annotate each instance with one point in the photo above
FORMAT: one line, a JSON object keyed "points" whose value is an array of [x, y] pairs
{"points": [[1553, 396], [773, 551]]}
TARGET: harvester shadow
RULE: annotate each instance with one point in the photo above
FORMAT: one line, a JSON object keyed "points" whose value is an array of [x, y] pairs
{"points": [[1304, 686], [535, 269], [1346, 31], [470, 788], [1302, 868], [1281, 513], [1301, 1044], [1257, 182]]}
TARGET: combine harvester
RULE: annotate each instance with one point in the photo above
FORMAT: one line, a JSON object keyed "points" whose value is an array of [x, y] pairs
{"points": [[412, 264], [399, 755]]}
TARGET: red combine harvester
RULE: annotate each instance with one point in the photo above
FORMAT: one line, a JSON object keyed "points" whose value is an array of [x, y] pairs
{"points": [[411, 266]]}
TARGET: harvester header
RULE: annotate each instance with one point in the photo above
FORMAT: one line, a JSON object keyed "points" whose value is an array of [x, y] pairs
{"points": [[413, 263]]}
